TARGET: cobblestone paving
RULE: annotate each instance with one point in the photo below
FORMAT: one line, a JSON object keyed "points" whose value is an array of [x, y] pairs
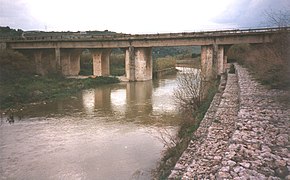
{"points": [[245, 137]]}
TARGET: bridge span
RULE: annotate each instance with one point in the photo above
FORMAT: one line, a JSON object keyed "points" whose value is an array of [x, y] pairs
{"points": [[61, 53]]}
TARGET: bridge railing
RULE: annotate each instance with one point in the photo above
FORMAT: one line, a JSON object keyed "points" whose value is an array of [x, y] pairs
{"points": [[143, 36]]}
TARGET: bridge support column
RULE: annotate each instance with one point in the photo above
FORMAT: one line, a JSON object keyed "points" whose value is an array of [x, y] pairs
{"points": [[38, 63], [3, 46], [138, 64], [220, 60], [101, 62], [75, 62], [70, 62], [57, 60], [213, 61], [44, 60], [207, 58]]}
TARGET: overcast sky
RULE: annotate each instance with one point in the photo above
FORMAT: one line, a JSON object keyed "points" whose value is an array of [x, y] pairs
{"points": [[136, 16]]}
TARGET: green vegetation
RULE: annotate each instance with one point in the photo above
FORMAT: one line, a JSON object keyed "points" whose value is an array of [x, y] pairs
{"points": [[269, 63], [14, 64], [117, 64], [19, 86], [28, 89], [164, 63], [86, 63], [8, 32], [179, 52]]}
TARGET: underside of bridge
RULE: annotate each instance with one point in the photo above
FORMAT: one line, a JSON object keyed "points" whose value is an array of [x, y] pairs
{"points": [[138, 61]]}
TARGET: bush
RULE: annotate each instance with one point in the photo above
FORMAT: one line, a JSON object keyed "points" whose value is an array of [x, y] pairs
{"points": [[269, 62], [238, 53], [117, 64], [232, 69], [86, 63], [164, 63], [14, 64]]}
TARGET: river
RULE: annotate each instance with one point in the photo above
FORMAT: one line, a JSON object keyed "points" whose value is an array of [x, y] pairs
{"points": [[110, 132]]}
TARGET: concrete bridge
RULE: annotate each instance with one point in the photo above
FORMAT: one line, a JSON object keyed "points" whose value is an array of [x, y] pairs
{"points": [[62, 53]]}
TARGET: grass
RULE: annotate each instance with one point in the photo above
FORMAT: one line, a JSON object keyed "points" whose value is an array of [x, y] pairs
{"points": [[28, 89]]}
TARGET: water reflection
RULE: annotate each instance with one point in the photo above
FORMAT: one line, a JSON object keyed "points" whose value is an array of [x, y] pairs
{"points": [[89, 101], [131, 100], [104, 133]]}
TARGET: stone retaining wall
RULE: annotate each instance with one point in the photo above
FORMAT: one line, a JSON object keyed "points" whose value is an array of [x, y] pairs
{"points": [[244, 135]]}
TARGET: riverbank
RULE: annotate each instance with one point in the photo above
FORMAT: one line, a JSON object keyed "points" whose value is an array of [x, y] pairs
{"points": [[246, 136], [15, 92], [189, 124]]}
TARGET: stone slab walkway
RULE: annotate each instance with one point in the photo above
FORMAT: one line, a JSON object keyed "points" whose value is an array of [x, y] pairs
{"points": [[244, 135]]}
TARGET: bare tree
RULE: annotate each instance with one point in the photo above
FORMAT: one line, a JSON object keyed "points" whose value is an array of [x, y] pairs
{"points": [[271, 61], [279, 18], [191, 89]]}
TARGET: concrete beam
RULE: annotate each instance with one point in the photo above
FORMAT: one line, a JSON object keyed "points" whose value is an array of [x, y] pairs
{"points": [[154, 41], [101, 62]]}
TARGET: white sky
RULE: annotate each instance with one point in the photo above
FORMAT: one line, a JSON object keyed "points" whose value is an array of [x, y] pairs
{"points": [[135, 16]]}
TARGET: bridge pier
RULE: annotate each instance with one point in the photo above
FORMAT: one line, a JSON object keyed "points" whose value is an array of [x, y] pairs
{"points": [[213, 61], [44, 60], [101, 62], [70, 62], [39, 69], [138, 64]]}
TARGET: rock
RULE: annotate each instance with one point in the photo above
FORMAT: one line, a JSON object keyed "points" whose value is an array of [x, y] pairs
{"points": [[280, 162], [217, 158], [266, 148], [231, 163], [245, 164], [282, 139], [225, 169], [238, 169], [287, 177], [250, 142], [222, 175]]}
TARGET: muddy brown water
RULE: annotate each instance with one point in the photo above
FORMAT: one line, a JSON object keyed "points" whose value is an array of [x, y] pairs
{"points": [[111, 132]]}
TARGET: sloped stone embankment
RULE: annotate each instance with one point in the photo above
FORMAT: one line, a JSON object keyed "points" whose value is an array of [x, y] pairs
{"points": [[244, 135]]}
